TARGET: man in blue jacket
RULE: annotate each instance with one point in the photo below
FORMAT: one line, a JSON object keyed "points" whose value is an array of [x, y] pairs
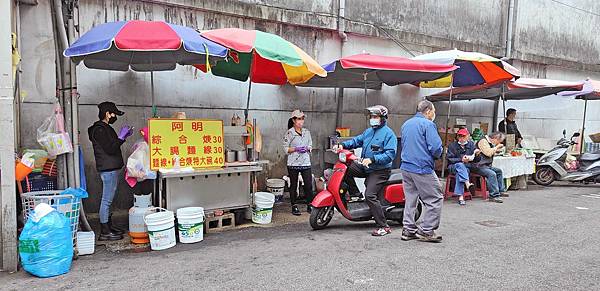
{"points": [[379, 146], [461, 154], [421, 144]]}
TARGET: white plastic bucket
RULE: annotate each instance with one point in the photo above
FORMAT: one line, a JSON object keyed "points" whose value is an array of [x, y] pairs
{"points": [[262, 212], [190, 224], [276, 186], [161, 229]]}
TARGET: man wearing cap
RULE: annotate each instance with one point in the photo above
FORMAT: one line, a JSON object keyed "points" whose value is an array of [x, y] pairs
{"points": [[461, 154], [109, 161]]}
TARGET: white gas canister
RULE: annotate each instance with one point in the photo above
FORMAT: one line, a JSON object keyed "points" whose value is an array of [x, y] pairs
{"points": [[142, 206]]}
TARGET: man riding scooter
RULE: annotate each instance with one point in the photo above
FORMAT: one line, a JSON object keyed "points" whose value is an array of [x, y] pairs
{"points": [[379, 146]]}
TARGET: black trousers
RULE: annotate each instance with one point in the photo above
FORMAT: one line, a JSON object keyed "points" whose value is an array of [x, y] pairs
{"points": [[375, 181], [307, 178]]}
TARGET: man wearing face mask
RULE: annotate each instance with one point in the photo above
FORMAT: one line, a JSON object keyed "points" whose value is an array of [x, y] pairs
{"points": [[379, 146], [461, 155], [109, 161], [421, 144]]}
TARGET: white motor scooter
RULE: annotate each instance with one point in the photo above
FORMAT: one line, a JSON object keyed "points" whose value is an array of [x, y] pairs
{"points": [[552, 165]]}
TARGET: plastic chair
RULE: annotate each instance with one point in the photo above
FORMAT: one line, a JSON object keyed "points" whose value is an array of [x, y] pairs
{"points": [[478, 180]]}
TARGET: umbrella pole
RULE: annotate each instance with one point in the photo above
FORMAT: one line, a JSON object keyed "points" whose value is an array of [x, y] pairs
{"points": [[504, 107], [246, 111], [154, 111], [340, 108], [582, 145], [445, 153], [366, 99]]}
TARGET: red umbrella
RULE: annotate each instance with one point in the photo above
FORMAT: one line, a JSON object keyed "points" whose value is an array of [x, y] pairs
{"points": [[371, 71]]}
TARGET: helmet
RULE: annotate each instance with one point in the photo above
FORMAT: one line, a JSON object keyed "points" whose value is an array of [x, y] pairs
{"points": [[378, 110]]}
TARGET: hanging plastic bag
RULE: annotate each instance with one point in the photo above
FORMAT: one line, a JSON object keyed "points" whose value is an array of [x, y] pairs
{"points": [[46, 243], [51, 134], [138, 163]]}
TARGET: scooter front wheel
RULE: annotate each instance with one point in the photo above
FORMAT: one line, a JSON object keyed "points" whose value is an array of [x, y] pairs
{"points": [[544, 176], [320, 217]]}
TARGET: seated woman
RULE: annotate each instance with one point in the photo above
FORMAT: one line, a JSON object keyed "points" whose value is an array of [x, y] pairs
{"points": [[461, 154]]}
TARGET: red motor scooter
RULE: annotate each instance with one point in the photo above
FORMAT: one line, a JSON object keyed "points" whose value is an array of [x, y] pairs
{"points": [[336, 196]]}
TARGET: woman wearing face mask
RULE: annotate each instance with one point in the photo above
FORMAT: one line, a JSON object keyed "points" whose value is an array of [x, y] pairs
{"points": [[109, 161], [297, 144], [461, 155]]}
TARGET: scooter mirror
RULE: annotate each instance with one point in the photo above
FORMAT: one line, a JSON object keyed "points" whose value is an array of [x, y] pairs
{"points": [[564, 133], [576, 134]]}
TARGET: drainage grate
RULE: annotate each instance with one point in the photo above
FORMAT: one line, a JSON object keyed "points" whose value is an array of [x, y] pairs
{"points": [[491, 223]]}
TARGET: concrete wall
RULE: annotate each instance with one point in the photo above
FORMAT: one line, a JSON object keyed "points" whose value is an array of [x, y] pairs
{"points": [[423, 26]]}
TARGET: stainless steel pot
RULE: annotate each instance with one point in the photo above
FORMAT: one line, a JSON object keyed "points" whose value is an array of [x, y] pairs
{"points": [[230, 156], [241, 156]]}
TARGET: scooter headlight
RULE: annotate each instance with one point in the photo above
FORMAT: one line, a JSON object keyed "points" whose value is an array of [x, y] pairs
{"points": [[342, 157]]}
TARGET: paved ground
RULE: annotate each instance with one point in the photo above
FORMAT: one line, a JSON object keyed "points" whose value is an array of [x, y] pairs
{"points": [[544, 238]]}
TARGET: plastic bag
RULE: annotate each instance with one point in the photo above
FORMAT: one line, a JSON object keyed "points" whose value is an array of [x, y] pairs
{"points": [[138, 163], [76, 192], [46, 243], [51, 134]]}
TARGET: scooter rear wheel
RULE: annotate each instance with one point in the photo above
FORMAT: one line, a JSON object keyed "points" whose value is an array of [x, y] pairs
{"points": [[544, 176], [320, 217], [418, 212]]}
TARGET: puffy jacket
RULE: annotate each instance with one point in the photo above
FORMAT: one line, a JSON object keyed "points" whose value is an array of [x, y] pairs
{"points": [[421, 144], [107, 147], [456, 152], [378, 144]]}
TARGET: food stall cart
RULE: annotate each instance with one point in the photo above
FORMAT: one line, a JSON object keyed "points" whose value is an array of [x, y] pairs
{"points": [[190, 156]]}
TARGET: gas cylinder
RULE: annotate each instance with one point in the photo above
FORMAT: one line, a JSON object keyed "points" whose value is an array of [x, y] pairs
{"points": [[142, 206]]}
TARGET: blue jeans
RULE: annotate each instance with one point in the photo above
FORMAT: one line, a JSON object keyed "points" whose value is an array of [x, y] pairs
{"points": [[461, 174], [493, 178], [109, 188]]}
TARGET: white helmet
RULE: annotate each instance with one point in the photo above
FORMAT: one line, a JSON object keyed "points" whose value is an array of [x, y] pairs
{"points": [[378, 110]]}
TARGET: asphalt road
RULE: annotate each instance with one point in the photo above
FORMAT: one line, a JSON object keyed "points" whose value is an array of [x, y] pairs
{"points": [[541, 239]]}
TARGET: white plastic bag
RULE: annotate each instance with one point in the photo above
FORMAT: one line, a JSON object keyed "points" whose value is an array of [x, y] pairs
{"points": [[51, 134], [138, 163]]}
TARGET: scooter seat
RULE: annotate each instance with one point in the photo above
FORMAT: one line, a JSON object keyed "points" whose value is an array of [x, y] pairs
{"points": [[395, 177], [590, 157]]}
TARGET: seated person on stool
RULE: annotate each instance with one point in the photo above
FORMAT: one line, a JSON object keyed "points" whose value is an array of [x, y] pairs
{"points": [[489, 145], [461, 154]]}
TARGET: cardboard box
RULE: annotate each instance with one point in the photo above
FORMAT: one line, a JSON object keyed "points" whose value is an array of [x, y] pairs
{"points": [[451, 137]]}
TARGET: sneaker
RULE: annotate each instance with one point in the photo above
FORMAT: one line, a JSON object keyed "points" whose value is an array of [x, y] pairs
{"points": [[504, 194], [295, 210], [495, 200], [432, 237], [308, 208], [382, 231], [462, 202], [407, 235]]}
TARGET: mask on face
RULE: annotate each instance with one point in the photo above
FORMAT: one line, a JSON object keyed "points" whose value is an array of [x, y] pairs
{"points": [[374, 122], [462, 142], [112, 120]]}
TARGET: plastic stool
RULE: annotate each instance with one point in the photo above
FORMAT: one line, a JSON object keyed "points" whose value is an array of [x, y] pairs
{"points": [[480, 185], [450, 183]]}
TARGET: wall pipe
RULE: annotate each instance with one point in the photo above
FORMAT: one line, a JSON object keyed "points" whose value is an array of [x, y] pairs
{"points": [[343, 38], [61, 160], [509, 29]]}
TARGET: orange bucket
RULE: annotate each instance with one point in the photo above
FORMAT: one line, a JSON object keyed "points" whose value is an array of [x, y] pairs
{"points": [[21, 171]]}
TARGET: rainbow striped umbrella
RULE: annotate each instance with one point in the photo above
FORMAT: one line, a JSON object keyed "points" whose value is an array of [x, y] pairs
{"points": [[144, 46], [262, 58], [473, 69]]}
